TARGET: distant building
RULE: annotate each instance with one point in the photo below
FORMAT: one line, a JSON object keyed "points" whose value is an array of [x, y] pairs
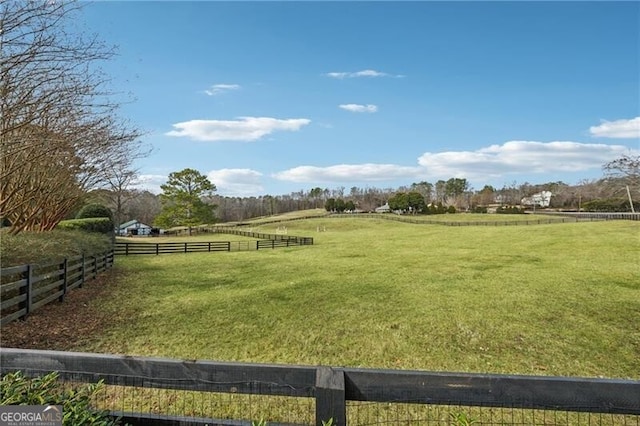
{"points": [[133, 227], [383, 209], [541, 199]]}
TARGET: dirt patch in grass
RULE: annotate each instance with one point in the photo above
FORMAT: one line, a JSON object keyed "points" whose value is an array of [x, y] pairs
{"points": [[67, 325]]}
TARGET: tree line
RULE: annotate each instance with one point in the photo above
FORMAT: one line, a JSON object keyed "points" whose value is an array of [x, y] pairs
{"points": [[188, 198]]}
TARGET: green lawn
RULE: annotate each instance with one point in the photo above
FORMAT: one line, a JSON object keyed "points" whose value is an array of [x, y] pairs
{"points": [[561, 299]]}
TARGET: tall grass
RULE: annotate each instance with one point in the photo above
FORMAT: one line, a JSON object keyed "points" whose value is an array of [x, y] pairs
{"points": [[560, 299]]}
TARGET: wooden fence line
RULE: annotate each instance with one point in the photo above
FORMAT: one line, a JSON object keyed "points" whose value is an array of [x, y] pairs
{"points": [[595, 215], [39, 284], [331, 387], [294, 240], [405, 219], [264, 241]]}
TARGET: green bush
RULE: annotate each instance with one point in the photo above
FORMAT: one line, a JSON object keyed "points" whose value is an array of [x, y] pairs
{"points": [[479, 209], [451, 209], [103, 225], [437, 209], [609, 205], [94, 210], [16, 389], [509, 210]]}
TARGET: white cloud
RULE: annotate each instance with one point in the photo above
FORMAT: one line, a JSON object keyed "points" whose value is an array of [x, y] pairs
{"points": [[149, 182], [619, 129], [241, 129], [236, 182], [523, 157], [348, 173], [359, 108], [481, 165], [218, 89], [363, 73]]}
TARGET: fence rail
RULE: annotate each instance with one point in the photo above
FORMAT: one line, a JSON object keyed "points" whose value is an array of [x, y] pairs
{"points": [[595, 215], [405, 219], [264, 241], [331, 388], [292, 239], [29, 287]]}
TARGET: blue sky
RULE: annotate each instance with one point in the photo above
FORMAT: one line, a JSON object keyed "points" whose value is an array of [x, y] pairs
{"points": [[274, 97]]}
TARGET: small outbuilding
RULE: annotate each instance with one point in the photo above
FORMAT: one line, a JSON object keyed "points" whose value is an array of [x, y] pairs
{"points": [[383, 209], [133, 227]]}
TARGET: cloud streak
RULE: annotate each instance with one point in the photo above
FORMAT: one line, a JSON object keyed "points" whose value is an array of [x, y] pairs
{"points": [[236, 182], [245, 129], [359, 108], [363, 73], [618, 129], [150, 182], [495, 161], [218, 89], [369, 172], [514, 157]]}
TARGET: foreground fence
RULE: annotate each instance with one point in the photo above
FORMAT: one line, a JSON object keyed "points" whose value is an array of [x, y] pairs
{"points": [[177, 392], [28, 287]]}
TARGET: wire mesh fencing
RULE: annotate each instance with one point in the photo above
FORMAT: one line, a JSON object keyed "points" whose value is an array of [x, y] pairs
{"points": [[166, 391]]}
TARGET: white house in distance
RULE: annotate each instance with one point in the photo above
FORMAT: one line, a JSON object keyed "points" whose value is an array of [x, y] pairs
{"points": [[383, 209], [133, 227], [541, 199]]}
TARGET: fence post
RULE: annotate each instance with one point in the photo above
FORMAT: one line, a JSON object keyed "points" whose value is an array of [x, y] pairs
{"points": [[273, 244], [157, 248], [126, 249], [330, 396], [27, 289], [258, 245], [83, 271], [228, 245], [209, 246], [185, 247], [64, 281]]}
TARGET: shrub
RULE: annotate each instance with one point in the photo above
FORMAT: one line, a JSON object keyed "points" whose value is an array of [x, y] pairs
{"points": [[509, 210], [479, 209], [94, 210], [451, 209], [16, 389], [436, 209], [104, 225], [609, 205]]}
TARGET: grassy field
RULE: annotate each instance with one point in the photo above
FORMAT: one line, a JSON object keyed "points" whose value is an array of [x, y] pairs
{"points": [[561, 299], [284, 216]]}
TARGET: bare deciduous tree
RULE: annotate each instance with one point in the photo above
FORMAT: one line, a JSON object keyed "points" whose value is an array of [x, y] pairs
{"points": [[59, 131]]}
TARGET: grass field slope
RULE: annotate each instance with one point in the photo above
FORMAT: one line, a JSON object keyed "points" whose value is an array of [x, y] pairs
{"points": [[558, 299]]}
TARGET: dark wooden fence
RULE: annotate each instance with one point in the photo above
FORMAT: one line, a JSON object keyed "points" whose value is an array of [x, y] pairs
{"points": [[28, 287], [409, 219], [330, 387], [595, 215], [263, 241], [293, 240]]}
